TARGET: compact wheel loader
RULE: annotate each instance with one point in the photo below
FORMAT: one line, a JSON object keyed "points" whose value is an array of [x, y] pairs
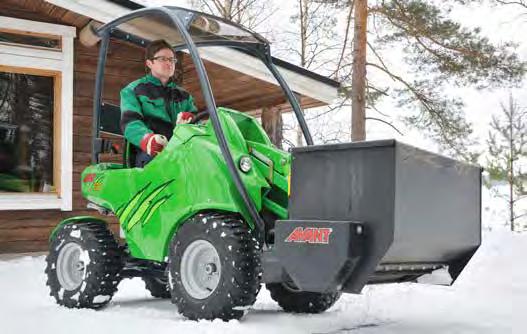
{"points": [[221, 210]]}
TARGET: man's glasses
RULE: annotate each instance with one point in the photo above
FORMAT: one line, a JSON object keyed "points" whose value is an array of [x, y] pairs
{"points": [[164, 59]]}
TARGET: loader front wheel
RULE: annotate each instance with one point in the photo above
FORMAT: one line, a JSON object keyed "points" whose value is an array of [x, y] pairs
{"points": [[214, 267], [294, 301], [83, 265]]}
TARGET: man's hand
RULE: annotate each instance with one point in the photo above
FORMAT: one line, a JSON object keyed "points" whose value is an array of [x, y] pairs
{"points": [[152, 143], [184, 117]]}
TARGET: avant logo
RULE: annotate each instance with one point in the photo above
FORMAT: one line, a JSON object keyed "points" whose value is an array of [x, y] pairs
{"points": [[310, 235]]}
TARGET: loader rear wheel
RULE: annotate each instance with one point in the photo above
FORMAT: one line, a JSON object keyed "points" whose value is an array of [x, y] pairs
{"points": [[158, 287], [214, 267], [294, 301], [83, 265]]}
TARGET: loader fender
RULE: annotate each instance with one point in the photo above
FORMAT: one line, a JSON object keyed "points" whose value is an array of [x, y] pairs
{"points": [[74, 220]]}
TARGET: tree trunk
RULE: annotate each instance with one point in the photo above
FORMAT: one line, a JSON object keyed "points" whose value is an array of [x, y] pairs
{"points": [[511, 204], [272, 124], [358, 84], [303, 12], [228, 10], [511, 168]]}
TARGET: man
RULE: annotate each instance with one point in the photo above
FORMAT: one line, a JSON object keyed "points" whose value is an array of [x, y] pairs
{"points": [[152, 105]]}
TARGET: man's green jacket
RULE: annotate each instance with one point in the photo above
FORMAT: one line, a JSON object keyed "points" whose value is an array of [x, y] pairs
{"points": [[149, 107]]}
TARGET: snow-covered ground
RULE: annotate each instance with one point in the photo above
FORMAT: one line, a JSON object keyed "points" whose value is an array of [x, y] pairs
{"points": [[489, 297]]}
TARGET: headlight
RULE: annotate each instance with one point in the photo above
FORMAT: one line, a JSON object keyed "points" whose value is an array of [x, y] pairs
{"points": [[246, 164]]}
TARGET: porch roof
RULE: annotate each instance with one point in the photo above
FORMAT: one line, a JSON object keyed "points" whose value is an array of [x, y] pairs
{"points": [[250, 86]]}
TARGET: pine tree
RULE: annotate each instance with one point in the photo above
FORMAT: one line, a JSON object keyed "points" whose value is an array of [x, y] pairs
{"points": [[507, 146], [437, 52]]}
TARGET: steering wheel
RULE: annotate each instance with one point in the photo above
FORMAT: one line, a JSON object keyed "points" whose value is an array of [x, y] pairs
{"points": [[199, 116]]}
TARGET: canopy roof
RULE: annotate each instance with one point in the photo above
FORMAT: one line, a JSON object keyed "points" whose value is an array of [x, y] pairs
{"points": [[313, 88]]}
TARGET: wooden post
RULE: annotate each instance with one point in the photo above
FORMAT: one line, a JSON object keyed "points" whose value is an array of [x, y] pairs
{"points": [[299, 132], [178, 73], [272, 124], [87, 35]]}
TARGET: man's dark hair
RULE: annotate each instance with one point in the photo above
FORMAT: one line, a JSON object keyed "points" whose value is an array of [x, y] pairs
{"points": [[155, 46]]}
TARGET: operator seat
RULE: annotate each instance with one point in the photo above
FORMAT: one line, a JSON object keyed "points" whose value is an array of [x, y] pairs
{"points": [[110, 120]]}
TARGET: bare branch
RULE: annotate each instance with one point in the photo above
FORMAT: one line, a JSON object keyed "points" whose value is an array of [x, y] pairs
{"points": [[346, 36], [518, 3], [387, 123]]}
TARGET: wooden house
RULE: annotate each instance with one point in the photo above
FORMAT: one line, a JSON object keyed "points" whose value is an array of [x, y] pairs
{"points": [[46, 89]]}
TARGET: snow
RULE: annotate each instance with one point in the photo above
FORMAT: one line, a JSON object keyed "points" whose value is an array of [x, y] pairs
{"points": [[75, 296], [85, 257], [101, 299], [483, 300], [60, 245], [75, 234]]}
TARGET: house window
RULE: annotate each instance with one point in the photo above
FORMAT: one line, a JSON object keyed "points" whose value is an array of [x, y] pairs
{"points": [[36, 112], [26, 133], [35, 40]]}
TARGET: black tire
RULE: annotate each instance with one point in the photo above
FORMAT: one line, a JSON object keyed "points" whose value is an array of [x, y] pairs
{"points": [[99, 265], [291, 300], [158, 287], [239, 256]]}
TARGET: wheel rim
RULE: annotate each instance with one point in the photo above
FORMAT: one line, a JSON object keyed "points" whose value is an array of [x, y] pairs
{"points": [[70, 266], [200, 269]]}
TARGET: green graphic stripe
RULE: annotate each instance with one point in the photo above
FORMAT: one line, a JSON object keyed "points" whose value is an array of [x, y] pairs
{"points": [[119, 210], [132, 204], [154, 207], [136, 218]]}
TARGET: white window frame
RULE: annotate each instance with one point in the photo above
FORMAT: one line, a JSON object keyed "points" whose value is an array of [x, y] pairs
{"points": [[61, 63]]}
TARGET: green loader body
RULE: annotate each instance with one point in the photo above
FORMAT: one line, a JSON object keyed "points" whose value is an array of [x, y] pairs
{"points": [[188, 177]]}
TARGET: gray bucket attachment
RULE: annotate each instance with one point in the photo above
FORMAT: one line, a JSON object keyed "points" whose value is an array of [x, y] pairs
{"points": [[421, 212]]}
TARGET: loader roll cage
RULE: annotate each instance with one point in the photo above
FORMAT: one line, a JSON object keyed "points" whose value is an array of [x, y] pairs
{"points": [[188, 25]]}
